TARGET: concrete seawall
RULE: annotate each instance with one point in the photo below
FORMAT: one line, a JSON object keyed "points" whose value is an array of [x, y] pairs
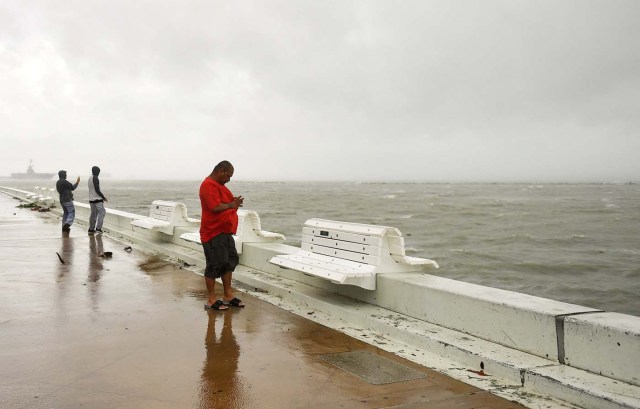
{"points": [[531, 347]]}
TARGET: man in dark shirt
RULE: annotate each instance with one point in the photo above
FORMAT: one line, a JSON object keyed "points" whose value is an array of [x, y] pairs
{"points": [[65, 189]]}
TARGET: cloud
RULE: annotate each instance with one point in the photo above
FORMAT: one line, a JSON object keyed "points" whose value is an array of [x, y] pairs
{"points": [[389, 90]]}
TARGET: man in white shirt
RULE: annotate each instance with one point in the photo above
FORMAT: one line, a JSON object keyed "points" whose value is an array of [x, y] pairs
{"points": [[96, 199]]}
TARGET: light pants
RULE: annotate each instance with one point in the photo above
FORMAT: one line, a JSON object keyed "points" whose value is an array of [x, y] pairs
{"points": [[68, 213], [97, 216]]}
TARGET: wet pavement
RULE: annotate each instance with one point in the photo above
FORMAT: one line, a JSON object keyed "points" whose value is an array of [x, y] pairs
{"points": [[81, 330]]}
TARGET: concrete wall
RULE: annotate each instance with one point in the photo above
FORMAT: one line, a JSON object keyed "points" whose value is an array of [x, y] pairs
{"points": [[515, 320], [605, 343]]}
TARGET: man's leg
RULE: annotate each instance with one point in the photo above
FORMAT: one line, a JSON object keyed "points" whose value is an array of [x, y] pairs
{"points": [[233, 261], [65, 213], [101, 213], [68, 215], [226, 286], [92, 216], [211, 295], [72, 214], [228, 290], [211, 287], [209, 274]]}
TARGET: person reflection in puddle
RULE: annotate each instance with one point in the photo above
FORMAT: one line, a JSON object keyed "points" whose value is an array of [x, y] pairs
{"points": [[64, 280], [96, 253], [220, 386], [65, 256]]}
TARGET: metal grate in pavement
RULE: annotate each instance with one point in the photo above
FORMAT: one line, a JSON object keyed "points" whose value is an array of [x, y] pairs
{"points": [[372, 368]]}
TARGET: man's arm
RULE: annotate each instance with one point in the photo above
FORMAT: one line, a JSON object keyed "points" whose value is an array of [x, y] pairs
{"points": [[235, 204], [212, 200], [96, 185]]}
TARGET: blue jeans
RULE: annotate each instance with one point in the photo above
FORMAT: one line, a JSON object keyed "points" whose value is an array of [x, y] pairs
{"points": [[68, 213]]}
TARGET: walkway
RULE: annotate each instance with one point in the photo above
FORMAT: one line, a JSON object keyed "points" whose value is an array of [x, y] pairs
{"points": [[85, 331]]}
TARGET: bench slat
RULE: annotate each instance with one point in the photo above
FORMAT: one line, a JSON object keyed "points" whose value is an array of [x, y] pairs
{"points": [[336, 265], [334, 270], [342, 235], [343, 245], [316, 258], [344, 254], [162, 214], [149, 223], [357, 228]]}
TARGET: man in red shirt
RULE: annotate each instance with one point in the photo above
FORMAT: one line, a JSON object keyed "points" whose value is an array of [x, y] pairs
{"points": [[217, 226]]}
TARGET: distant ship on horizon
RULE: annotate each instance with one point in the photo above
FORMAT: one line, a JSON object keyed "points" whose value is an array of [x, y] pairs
{"points": [[31, 174]]}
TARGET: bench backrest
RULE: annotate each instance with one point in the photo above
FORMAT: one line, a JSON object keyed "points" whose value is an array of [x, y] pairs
{"points": [[362, 243], [174, 213]]}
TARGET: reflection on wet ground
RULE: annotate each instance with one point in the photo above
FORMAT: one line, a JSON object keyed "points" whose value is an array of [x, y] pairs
{"points": [[96, 258], [220, 384], [129, 332]]}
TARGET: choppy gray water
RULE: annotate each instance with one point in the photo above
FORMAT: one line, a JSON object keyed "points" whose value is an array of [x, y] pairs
{"points": [[578, 243]]}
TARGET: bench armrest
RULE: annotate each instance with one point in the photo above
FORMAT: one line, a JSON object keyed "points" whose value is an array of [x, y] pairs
{"points": [[415, 261]]}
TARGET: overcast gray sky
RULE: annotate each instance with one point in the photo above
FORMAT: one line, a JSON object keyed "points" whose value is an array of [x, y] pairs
{"points": [[323, 90]]}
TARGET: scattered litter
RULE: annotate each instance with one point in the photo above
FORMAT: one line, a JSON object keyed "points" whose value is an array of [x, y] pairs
{"points": [[480, 372], [106, 254], [128, 249], [60, 258]]}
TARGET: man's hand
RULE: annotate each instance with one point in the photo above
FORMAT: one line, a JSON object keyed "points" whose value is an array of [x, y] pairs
{"points": [[238, 201], [78, 180]]}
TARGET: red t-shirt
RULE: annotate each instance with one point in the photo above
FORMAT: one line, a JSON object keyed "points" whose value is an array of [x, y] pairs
{"points": [[212, 194]]}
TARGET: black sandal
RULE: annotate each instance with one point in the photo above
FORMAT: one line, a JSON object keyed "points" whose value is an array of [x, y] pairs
{"points": [[235, 303], [218, 305]]}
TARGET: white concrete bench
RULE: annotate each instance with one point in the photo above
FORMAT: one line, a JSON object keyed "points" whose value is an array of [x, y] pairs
{"points": [[35, 195], [249, 231], [351, 253], [42, 197], [46, 197], [164, 216]]}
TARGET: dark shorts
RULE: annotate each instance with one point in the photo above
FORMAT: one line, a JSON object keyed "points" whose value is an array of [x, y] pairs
{"points": [[221, 255]]}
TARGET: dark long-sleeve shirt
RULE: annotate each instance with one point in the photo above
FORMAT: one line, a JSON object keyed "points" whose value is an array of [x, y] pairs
{"points": [[65, 188]]}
